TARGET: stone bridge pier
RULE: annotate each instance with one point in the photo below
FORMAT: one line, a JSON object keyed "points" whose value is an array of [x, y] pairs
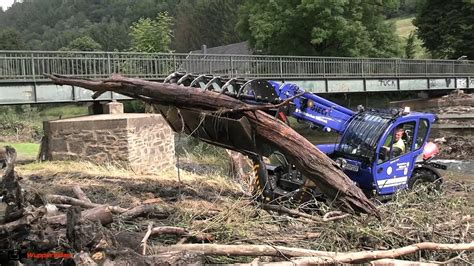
{"points": [[141, 142]]}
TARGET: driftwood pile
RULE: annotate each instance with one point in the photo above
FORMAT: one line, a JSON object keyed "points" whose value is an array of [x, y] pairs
{"points": [[40, 224], [57, 224]]}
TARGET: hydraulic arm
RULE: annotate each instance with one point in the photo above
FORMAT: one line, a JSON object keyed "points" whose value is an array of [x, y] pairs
{"points": [[315, 109]]}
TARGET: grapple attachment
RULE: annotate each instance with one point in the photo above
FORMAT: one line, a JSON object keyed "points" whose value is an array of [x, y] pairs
{"points": [[225, 131], [233, 131]]}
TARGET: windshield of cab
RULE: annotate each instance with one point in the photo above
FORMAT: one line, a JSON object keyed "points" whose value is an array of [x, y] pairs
{"points": [[362, 134]]}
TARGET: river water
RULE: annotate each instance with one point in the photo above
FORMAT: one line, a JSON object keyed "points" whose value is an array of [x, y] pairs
{"points": [[463, 168]]}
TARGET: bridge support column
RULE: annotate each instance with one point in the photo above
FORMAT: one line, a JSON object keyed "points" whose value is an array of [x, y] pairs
{"points": [[114, 107], [142, 142], [95, 108]]}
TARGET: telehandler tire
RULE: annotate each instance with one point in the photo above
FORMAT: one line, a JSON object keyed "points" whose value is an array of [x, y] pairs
{"points": [[421, 176]]}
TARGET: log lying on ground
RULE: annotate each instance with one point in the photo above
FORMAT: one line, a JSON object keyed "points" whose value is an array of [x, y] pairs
{"points": [[133, 239], [125, 214], [130, 257], [72, 201], [101, 213], [308, 257], [80, 194], [143, 210], [312, 163], [24, 222]]}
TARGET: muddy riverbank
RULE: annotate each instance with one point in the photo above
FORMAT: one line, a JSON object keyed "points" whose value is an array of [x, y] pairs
{"points": [[457, 148]]}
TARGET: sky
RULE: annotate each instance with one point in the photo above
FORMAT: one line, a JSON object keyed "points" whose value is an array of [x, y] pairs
{"points": [[6, 3]]}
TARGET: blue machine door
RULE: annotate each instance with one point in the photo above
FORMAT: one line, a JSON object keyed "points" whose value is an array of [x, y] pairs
{"points": [[395, 161]]}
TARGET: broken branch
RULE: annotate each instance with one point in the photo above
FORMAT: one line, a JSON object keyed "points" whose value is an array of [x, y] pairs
{"points": [[302, 256], [101, 213], [145, 238], [142, 210], [80, 194], [282, 209], [72, 201]]}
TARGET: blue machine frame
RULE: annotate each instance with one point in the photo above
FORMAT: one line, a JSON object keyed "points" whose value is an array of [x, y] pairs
{"points": [[363, 136]]}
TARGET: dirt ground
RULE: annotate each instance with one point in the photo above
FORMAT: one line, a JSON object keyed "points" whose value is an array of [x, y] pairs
{"points": [[206, 201]]}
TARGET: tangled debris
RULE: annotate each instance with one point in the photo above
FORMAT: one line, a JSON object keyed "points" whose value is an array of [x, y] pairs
{"points": [[221, 225], [458, 148]]}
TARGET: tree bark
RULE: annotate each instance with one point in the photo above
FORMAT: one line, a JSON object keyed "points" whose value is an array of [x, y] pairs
{"points": [[12, 201], [143, 210], [80, 194], [101, 213], [364, 256], [75, 202], [309, 257], [312, 163], [238, 163]]}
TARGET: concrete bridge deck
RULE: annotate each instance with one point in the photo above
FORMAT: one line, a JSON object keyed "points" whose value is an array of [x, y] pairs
{"points": [[21, 79]]}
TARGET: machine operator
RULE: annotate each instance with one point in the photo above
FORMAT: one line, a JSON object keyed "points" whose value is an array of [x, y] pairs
{"points": [[398, 146]]}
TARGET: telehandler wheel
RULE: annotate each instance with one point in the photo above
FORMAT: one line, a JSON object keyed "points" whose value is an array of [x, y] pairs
{"points": [[424, 176], [282, 184]]}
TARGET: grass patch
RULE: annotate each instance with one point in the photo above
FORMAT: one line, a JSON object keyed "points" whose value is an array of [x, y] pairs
{"points": [[23, 150], [116, 185], [24, 123], [404, 26], [64, 111]]}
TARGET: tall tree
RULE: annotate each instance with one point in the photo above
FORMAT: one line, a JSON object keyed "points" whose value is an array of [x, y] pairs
{"points": [[403, 8], [308, 27], [111, 34], [210, 22], [10, 39], [446, 28], [83, 43], [152, 35], [410, 47], [52, 24]]}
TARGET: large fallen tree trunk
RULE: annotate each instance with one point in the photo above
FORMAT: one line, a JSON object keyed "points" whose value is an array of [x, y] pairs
{"points": [[312, 163]]}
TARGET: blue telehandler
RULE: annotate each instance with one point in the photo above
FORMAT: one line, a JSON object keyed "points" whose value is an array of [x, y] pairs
{"points": [[382, 151]]}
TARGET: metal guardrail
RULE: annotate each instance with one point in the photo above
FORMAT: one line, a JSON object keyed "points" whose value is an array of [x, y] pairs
{"points": [[27, 66]]}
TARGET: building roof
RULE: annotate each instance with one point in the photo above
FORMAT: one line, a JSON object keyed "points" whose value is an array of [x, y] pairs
{"points": [[241, 48]]}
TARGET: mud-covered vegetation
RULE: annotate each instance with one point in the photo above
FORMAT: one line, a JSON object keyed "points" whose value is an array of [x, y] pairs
{"points": [[24, 123], [205, 201]]}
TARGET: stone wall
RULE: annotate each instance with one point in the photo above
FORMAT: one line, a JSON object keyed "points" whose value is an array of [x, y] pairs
{"points": [[143, 142]]}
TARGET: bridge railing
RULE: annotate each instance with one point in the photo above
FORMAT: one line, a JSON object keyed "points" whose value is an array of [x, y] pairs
{"points": [[20, 66]]}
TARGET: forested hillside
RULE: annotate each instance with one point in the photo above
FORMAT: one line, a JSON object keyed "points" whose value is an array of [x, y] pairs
{"points": [[327, 28], [54, 24]]}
